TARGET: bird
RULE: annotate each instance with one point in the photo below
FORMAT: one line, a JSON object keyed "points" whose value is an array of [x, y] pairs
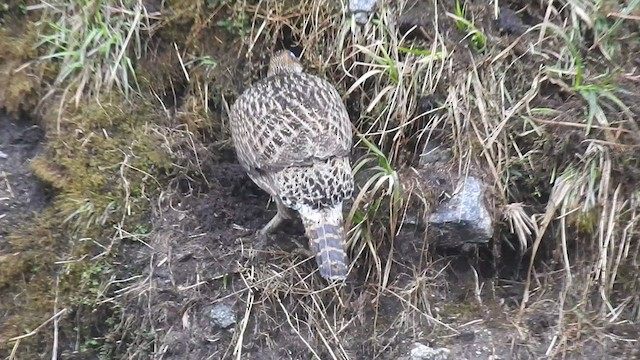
{"points": [[292, 135]]}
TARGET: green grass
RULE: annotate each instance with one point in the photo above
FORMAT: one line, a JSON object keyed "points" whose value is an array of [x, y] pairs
{"points": [[93, 44], [477, 38], [378, 202]]}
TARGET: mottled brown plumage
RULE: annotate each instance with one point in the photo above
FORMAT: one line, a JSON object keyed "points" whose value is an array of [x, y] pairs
{"points": [[292, 135]]}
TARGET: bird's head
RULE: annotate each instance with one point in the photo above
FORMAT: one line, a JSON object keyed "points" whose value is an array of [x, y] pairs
{"points": [[284, 62]]}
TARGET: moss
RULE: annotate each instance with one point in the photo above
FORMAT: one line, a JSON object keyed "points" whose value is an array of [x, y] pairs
{"points": [[28, 268], [586, 223], [103, 162], [19, 79], [99, 165]]}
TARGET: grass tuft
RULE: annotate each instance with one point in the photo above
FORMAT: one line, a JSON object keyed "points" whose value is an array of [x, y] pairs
{"points": [[93, 44]]}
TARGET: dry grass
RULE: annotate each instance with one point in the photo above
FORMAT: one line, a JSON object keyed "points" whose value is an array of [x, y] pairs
{"points": [[493, 121], [548, 125]]}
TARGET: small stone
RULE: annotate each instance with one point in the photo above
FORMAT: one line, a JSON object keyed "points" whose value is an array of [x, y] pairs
{"points": [[423, 352], [3, 155], [361, 9], [463, 218], [426, 103], [466, 336], [222, 315]]}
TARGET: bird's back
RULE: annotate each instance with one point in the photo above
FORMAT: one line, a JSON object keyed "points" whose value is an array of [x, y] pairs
{"points": [[289, 119], [293, 135]]}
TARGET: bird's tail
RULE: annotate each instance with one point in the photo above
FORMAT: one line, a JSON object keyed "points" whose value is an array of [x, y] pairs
{"points": [[325, 230]]}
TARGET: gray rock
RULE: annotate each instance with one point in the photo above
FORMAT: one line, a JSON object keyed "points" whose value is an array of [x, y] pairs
{"points": [[463, 218], [449, 206], [222, 315], [423, 352], [3, 155], [361, 9]]}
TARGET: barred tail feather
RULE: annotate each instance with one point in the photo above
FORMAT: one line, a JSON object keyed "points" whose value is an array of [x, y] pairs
{"points": [[325, 230]]}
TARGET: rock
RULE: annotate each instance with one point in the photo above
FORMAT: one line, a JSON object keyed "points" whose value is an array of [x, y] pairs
{"points": [[222, 315], [423, 352], [466, 336], [3, 155], [448, 205], [425, 103], [361, 9], [463, 218]]}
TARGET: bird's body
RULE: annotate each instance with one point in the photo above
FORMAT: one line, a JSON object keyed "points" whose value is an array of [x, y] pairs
{"points": [[292, 135]]}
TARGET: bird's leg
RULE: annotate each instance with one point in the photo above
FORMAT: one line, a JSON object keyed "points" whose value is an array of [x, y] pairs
{"points": [[302, 250], [284, 213], [271, 225], [261, 236]]}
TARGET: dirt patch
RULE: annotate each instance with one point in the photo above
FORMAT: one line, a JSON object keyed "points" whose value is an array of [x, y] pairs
{"points": [[21, 193], [201, 249], [201, 255]]}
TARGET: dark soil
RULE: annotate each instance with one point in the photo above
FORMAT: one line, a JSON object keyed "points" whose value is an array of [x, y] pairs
{"points": [[21, 194], [201, 254]]}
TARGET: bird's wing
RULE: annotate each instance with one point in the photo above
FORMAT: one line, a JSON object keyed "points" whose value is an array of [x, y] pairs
{"points": [[290, 120]]}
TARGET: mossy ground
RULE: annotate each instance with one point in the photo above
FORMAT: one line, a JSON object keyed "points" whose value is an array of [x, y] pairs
{"points": [[99, 167], [149, 218]]}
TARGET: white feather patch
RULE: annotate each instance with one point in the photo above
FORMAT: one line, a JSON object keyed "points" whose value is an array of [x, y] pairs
{"points": [[316, 216]]}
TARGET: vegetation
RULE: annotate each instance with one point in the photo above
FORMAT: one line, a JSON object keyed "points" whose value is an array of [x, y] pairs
{"points": [[146, 227]]}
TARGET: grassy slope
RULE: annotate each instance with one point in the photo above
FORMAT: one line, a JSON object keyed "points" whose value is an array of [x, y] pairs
{"points": [[547, 117]]}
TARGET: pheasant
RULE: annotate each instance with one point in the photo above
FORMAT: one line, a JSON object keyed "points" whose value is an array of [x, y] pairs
{"points": [[292, 135]]}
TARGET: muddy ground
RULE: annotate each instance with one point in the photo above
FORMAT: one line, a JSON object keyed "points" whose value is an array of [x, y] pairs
{"points": [[21, 194]]}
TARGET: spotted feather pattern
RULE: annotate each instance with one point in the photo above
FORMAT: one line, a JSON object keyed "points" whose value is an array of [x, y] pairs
{"points": [[289, 119], [292, 134]]}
